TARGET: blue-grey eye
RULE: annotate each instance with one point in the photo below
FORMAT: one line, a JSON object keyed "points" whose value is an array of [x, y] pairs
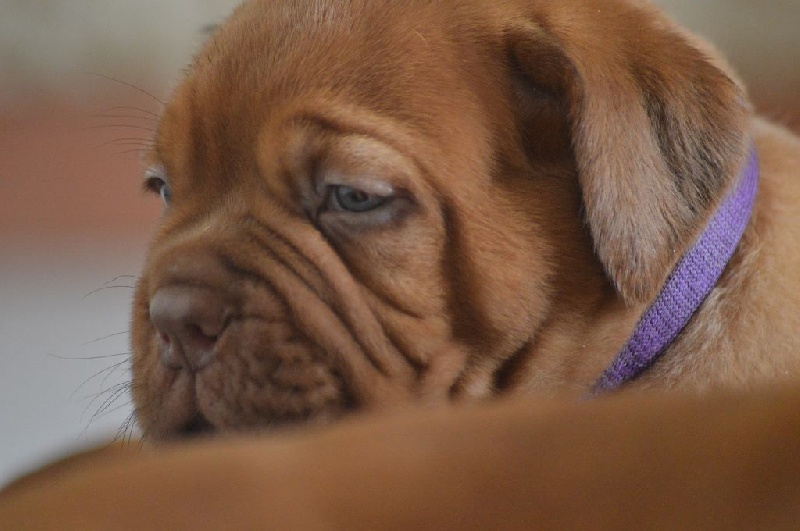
{"points": [[159, 186], [352, 199]]}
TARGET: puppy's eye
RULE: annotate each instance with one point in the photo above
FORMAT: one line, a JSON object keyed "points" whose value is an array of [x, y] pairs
{"points": [[351, 199], [158, 185]]}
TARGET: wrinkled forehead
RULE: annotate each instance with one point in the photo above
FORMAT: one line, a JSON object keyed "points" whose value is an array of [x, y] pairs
{"points": [[384, 55], [413, 62]]}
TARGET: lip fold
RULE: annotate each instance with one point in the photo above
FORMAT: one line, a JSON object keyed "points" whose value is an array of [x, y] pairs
{"points": [[197, 426]]}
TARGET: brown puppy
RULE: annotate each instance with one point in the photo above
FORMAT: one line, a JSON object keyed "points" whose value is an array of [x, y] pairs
{"points": [[377, 202]]}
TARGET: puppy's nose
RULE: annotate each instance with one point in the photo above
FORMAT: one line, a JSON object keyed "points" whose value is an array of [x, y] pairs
{"points": [[189, 321]]}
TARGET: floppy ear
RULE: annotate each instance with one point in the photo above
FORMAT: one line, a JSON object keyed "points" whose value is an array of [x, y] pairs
{"points": [[657, 130]]}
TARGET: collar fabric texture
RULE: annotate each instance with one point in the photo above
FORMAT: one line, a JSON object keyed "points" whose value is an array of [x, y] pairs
{"points": [[688, 285]]}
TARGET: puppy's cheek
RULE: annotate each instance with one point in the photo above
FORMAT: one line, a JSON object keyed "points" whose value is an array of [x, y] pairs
{"points": [[269, 377]]}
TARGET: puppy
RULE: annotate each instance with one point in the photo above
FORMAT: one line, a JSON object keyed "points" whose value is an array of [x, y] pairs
{"points": [[374, 203]]}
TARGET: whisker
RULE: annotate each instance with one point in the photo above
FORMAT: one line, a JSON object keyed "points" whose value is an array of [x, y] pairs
{"points": [[108, 371], [97, 396], [103, 410], [110, 394], [99, 357], [122, 431], [126, 430], [133, 149], [105, 288], [120, 277], [122, 126], [142, 141], [132, 142], [127, 363], [106, 408], [130, 108], [129, 151], [109, 410], [140, 145], [125, 83], [109, 336], [123, 116]]}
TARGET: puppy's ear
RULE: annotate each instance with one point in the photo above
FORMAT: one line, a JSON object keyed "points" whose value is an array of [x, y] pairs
{"points": [[657, 130]]}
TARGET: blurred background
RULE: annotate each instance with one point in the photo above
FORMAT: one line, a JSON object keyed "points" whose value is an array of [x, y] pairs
{"points": [[80, 83]]}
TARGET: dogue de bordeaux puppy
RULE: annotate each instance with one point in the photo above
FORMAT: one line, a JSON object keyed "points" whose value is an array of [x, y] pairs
{"points": [[372, 203]]}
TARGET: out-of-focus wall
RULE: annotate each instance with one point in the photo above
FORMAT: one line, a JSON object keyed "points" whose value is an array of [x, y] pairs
{"points": [[762, 41], [48, 46], [72, 218], [45, 44]]}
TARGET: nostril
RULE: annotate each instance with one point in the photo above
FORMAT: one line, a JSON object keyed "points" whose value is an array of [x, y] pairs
{"points": [[208, 329], [189, 322], [197, 335]]}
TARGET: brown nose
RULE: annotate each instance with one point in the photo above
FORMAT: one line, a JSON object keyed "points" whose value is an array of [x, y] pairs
{"points": [[189, 321]]}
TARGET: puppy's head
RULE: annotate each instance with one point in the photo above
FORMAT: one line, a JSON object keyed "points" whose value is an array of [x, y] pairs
{"points": [[373, 202]]}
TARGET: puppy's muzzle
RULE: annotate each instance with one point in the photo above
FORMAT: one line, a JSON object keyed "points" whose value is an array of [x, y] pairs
{"points": [[217, 337]]}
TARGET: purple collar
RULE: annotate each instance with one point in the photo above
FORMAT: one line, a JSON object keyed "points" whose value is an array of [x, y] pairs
{"points": [[687, 286]]}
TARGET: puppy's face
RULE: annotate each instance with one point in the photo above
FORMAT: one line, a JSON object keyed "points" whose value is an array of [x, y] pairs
{"points": [[367, 203]]}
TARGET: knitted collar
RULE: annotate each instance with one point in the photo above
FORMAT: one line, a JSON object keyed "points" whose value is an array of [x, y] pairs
{"points": [[687, 286]]}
